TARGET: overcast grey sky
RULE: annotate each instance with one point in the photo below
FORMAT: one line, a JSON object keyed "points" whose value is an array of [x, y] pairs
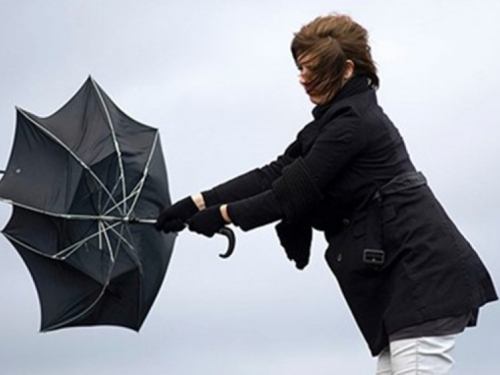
{"points": [[214, 76]]}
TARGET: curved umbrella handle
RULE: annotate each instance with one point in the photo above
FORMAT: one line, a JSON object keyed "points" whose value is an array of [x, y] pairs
{"points": [[225, 231], [228, 232]]}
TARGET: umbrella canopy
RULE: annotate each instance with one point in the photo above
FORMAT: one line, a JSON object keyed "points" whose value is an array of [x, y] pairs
{"points": [[84, 184]]}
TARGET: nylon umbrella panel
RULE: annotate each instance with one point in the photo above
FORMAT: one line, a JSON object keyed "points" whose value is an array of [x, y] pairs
{"points": [[85, 184]]}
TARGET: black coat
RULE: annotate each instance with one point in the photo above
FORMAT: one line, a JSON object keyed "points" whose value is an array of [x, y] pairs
{"points": [[397, 256]]}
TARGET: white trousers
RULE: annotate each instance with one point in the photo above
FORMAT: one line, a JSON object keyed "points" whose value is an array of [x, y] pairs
{"points": [[418, 356]]}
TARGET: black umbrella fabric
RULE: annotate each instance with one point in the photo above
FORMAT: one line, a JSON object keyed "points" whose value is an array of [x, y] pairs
{"points": [[85, 184]]}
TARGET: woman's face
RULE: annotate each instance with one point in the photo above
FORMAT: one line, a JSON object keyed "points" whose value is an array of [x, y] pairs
{"points": [[305, 66]]}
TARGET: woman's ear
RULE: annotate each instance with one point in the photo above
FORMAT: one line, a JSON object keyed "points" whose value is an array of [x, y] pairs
{"points": [[349, 70]]}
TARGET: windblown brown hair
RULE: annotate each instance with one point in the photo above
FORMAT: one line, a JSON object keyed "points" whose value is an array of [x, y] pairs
{"points": [[328, 42]]}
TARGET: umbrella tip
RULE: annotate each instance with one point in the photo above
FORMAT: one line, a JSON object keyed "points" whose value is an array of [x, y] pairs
{"points": [[92, 80], [20, 110]]}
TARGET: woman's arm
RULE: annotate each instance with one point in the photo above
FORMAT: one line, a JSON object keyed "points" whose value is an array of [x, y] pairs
{"points": [[248, 184], [302, 182]]}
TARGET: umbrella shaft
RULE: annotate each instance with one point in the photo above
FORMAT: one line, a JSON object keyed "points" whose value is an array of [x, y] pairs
{"points": [[131, 220]]}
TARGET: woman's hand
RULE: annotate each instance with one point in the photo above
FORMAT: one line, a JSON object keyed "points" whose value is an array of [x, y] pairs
{"points": [[174, 218], [209, 221]]}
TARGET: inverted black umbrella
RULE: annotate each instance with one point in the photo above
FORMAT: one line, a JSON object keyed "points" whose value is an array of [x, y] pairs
{"points": [[85, 184]]}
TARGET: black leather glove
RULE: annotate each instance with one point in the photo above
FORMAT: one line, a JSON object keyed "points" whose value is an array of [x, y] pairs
{"points": [[207, 222], [173, 218]]}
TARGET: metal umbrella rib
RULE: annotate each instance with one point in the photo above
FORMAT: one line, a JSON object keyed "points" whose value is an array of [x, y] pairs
{"points": [[115, 141], [66, 252], [136, 191]]}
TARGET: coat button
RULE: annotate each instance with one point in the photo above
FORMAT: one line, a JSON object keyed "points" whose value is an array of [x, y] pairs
{"points": [[346, 222], [339, 257]]}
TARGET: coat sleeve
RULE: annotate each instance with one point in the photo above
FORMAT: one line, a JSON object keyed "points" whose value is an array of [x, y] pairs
{"points": [[251, 183], [302, 183], [290, 195]]}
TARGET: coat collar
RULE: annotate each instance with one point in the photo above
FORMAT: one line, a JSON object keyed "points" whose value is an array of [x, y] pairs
{"points": [[356, 85]]}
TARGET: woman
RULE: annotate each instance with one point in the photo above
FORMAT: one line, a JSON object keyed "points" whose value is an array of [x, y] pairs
{"points": [[410, 278]]}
